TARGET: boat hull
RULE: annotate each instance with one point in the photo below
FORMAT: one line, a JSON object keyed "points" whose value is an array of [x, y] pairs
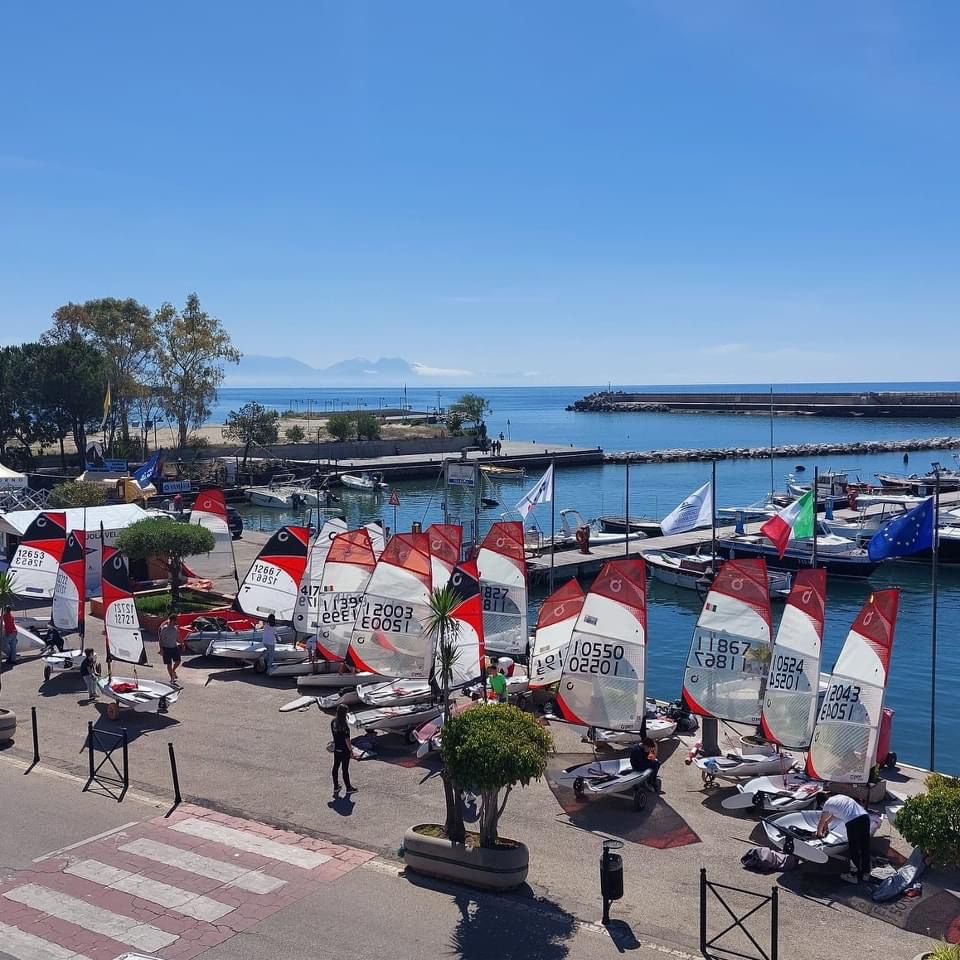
{"points": [[149, 696], [836, 565]]}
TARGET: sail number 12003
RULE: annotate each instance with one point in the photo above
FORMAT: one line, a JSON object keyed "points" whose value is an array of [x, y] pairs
{"points": [[389, 617], [592, 656]]}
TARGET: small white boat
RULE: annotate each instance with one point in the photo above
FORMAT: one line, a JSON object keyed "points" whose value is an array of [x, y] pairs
{"points": [[779, 794], [393, 692], [28, 634], [253, 651], [610, 778], [797, 833], [208, 630], [62, 661], [658, 728], [364, 482], [332, 676], [763, 760], [141, 696], [283, 492], [397, 719], [693, 571]]}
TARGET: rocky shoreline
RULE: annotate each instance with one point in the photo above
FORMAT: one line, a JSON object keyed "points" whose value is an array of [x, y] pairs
{"points": [[789, 450]]}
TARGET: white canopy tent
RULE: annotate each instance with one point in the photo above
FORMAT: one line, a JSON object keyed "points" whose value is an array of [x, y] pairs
{"points": [[11, 480], [113, 518]]}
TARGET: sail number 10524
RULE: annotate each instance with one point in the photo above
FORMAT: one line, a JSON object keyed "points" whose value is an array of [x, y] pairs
{"points": [[590, 656]]}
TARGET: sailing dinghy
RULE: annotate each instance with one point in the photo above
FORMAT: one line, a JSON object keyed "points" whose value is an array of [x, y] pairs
{"points": [[36, 561], [271, 586], [124, 641], [555, 624], [210, 512], [785, 793], [69, 604], [502, 563]]}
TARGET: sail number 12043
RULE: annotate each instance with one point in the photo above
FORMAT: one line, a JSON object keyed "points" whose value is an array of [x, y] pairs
{"points": [[592, 656]]}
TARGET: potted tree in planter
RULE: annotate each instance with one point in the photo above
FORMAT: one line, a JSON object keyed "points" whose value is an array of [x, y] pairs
{"points": [[8, 719], [488, 750]]}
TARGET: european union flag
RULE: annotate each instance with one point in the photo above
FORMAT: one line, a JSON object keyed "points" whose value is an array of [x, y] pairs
{"points": [[908, 534]]}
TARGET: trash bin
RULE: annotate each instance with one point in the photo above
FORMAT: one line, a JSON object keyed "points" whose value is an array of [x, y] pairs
{"points": [[611, 875], [884, 756]]}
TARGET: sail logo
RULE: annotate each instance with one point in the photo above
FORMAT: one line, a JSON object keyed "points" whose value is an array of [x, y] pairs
{"points": [[616, 585]]}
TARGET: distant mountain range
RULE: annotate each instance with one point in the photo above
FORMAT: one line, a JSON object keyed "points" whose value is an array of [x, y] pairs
{"points": [[258, 370]]}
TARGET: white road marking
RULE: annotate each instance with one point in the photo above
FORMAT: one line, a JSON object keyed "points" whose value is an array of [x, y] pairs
{"points": [[81, 843], [143, 936], [251, 843], [163, 894], [230, 873], [25, 946]]}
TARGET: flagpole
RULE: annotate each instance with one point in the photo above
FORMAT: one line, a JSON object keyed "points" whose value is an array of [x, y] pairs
{"points": [[553, 519], [934, 549], [713, 518], [816, 514], [626, 510]]}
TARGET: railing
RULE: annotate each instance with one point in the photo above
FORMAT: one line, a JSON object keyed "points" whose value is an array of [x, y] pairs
{"points": [[105, 773], [710, 946]]}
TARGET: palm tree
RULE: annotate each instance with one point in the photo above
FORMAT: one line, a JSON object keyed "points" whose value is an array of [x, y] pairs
{"points": [[444, 626]]}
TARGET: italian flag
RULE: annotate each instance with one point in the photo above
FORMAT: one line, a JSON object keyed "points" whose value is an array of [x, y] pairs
{"points": [[793, 521]]}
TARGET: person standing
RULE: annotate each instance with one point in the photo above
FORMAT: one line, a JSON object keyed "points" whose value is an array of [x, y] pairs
{"points": [[9, 635], [498, 684], [170, 647], [270, 641], [857, 823], [342, 750], [89, 671]]}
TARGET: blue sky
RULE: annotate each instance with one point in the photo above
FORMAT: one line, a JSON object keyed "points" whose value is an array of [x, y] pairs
{"points": [[553, 191]]}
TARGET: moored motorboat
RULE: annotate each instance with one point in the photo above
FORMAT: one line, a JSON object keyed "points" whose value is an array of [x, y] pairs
{"points": [[837, 555], [363, 482], [644, 525]]}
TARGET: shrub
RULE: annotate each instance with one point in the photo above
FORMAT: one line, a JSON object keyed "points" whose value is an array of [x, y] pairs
{"points": [[368, 426], [931, 821], [294, 434], [77, 493], [340, 426], [489, 750]]}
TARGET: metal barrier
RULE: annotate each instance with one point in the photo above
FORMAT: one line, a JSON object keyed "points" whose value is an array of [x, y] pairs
{"points": [[107, 742], [707, 886]]}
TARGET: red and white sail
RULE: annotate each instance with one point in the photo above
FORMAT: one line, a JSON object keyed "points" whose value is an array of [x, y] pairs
{"points": [[346, 573], [844, 745], [377, 537], [390, 636], [503, 588], [121, 622], [446, 540], [37, 557], [558, 617], [210, 512], [793, 679], [305, 616], [70, 591], [727, 662], [603, 679], [272, 583], [467, 639]]}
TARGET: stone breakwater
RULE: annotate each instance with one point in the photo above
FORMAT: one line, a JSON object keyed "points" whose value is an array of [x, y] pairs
{"points": [[789, 450]]}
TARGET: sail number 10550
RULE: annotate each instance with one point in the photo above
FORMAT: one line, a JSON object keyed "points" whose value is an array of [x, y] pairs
{"points": [[590, 656]]}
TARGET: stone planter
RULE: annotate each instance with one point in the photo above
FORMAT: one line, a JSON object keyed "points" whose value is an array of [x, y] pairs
{"points": [[488, 869], [864, 793], [8, 725]]}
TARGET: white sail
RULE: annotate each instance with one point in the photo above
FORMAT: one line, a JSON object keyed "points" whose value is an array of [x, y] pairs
{"points": [[121, 622], [793, 680], [844, 745], [377, 538], [272, 583], [210, 512], [37, 557], [390, 637], [346, 573], [503, 588], [446, 539], [728, 657], [467, 640], [558, 616], [305, 614], [602, 683], [69, 593]]}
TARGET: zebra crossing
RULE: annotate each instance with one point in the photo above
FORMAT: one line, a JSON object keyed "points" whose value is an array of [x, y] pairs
{"points": [[170, 887]]}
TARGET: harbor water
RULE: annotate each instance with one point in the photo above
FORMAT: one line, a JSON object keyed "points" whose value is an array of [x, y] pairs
{"points": [[537, 413]]}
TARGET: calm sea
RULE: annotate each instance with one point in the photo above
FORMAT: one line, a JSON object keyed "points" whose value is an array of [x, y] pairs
{"points": [[537, 413]]}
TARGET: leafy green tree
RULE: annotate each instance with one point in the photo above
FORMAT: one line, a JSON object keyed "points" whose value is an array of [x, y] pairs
{"points": [[252, 424], [123, 332], [442, 625], [295, 433], [490, 750], [368, 426], [931, 821], [25, 415], [471, 407], [455, 423], [340, 426], [77, 493], [168, 541], [192, 347]]}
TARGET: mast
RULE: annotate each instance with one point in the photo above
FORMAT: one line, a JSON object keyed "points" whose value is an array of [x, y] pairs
{"points": [[553, 520], [626, 509], [771, 442], [935, 551], [816, 513], [713, 517]]}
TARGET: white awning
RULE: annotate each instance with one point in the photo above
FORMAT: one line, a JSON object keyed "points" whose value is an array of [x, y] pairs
{"points": [[113, 517], [11, 480]]}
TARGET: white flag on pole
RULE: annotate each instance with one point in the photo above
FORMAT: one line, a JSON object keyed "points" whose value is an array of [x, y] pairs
{"points": [[696, 511], [540, 492]]}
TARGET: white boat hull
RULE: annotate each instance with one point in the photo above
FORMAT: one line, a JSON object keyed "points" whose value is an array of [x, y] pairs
{"points": [[63, 662], [252, 651], [609, 778], [398, 719], [657, 729], [804, 822], [744, 766], [333, 679], [777, 794], [150, 696], [393, 692], [199, 641]]}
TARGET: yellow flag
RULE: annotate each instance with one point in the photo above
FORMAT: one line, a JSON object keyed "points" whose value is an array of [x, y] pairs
{"points": [[106, 407]]}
